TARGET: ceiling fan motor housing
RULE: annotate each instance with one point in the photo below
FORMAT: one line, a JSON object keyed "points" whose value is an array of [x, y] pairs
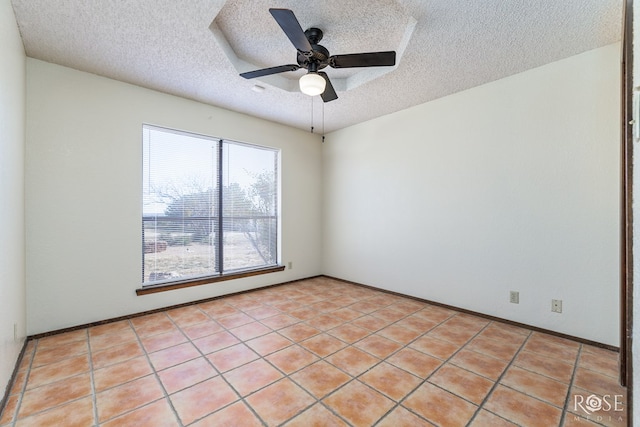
{"points": [[318, 57]]}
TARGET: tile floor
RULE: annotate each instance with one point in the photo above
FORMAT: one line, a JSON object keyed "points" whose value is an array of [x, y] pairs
{"points": [[318, 352]]}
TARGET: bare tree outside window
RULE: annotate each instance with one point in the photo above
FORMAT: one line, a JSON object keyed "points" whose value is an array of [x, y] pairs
{"points": [[188, 181]]}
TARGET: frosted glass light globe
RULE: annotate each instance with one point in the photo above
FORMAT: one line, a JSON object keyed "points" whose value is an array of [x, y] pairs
{"points": [[312, 84]]}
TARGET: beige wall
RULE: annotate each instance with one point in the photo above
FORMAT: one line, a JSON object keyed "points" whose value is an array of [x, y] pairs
{"points": [[512, 185], [509, 186], [83, 194], [636, 212], [12, 245]]}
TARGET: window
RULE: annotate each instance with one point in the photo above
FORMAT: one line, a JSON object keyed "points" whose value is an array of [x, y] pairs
{"points": [[210, 206]]}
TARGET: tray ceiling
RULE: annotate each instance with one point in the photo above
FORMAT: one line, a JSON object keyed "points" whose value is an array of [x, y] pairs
{"points": [[196, 49]]}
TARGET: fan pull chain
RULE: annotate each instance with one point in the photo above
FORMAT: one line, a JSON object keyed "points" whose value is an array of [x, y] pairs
{"points": [[312, 111], [311, 97], [323, 122]]}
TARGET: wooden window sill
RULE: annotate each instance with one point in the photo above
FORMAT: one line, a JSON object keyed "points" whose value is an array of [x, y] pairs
{"points": [[170, 286]]}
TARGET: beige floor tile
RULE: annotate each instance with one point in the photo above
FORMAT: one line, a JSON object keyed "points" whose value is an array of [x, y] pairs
{"points": [[522, 409], [78, 413], [316, 416], [439, 406], [157, 414], [320, 378], [391, 381], [232, 357], [463, 383], [54, 394], [126, 397], [186, 374], [202, 399], [359, 404], [235, 415], [114, 375], [280, 401], [252, 376], [536, 385], [352, 360], [316, 352]]}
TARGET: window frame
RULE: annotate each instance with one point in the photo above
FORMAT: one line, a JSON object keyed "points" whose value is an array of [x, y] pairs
{"points": [[220, 274]]}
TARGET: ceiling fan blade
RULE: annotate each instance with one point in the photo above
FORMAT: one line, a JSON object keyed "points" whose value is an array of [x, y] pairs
{"points": [[291, 27], [371, 59], [329, 93], [269, 71]]}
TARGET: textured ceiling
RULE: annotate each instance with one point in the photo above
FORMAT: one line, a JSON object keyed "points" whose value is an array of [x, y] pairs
{"points": [[196, 48]]}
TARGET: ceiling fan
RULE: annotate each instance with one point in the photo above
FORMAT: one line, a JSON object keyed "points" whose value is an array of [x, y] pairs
{"points": [[314, 57]]}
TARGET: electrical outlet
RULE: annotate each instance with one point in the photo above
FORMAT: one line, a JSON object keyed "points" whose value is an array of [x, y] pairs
{"points": [[514, 297], [556, 305], [289, 265]]}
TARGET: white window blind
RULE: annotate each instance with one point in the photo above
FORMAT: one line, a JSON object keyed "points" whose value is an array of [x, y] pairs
{"points": [[209, 206]]}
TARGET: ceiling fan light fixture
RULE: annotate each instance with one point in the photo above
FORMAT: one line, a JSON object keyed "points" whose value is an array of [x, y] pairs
{"points": [[314, 57], [312, 84]]}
